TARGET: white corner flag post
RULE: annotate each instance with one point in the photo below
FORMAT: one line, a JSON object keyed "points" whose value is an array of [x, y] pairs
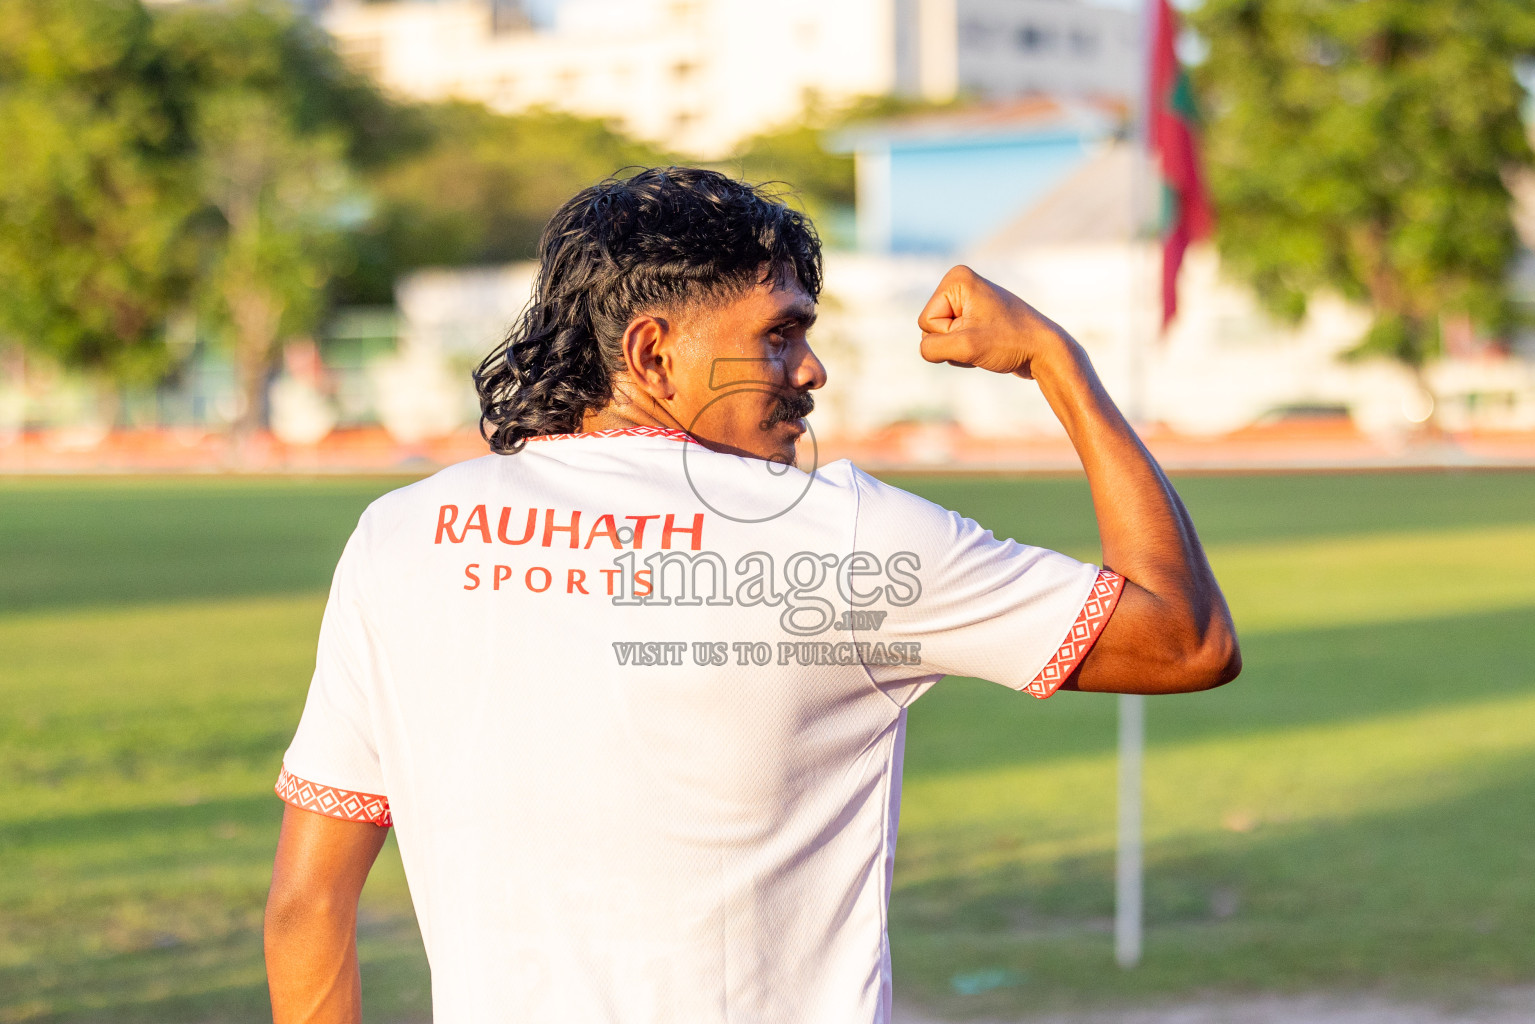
{"points": [[1129, 869], [1127, 863]]}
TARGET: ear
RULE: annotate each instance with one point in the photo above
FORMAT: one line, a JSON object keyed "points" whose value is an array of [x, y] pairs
{"points": [[647, 352]]}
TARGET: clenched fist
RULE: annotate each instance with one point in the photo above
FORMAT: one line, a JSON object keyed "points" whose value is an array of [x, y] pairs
{"points": [[971, 322]]}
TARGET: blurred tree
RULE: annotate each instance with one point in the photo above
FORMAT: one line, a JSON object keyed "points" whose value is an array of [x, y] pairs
{"points": [[796, 154], [477, 187], [94, 250], [1365, 147], [196, 157], [277, 193], [275, 122]]}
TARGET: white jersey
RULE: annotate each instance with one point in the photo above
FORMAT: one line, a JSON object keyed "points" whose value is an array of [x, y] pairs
{"points": [[636, 712]]}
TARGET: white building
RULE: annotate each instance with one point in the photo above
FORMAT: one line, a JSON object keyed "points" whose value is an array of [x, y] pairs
{"points": [[699, 75]]}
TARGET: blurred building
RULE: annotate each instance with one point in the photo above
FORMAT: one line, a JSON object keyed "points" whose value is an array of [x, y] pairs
{"points": [[699, 75], [1047, 198], [941, 182]]}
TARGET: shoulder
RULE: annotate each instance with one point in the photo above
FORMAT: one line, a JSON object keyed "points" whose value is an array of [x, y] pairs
{"points": [[405, 506], [876, 499]]}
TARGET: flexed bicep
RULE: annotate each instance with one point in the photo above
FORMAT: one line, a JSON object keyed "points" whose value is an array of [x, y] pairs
{"points": [[1146, 647]]}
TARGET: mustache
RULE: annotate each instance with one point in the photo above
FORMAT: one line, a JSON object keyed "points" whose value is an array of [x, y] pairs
{"points": [[789, 407]]}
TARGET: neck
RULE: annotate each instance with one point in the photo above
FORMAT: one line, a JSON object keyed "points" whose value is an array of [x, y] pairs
{"points": [[624, 412]]}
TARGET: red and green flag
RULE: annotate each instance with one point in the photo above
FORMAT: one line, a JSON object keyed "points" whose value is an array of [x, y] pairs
{"points": [[1174, 142]]}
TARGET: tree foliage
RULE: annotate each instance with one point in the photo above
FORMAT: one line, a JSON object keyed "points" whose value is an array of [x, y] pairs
{"points": [[94, 250], [797, 155], [1364, 147], [194, 157], [219, 158], [275, 120], [474, 186]]}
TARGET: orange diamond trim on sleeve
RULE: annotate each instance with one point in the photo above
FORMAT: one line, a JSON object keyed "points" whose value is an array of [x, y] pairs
{"points": [[336, 803], [1082, 635]]}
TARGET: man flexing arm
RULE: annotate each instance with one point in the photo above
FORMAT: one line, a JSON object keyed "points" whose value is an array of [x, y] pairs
{"points": [[1172, 631]]}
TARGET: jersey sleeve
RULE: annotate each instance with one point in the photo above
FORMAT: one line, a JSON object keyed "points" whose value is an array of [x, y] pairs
{"points": [[999, 610], [332, 766]]}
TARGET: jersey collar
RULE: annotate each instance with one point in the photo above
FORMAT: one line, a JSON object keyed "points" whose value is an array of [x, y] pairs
{"points": [[670, 433]]}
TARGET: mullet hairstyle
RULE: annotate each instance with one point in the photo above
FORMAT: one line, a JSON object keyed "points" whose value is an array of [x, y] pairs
{"points": [[658, 241]]}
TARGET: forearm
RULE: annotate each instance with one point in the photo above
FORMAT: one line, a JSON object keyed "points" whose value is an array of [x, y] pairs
{"points": [[1146, 533], [311, 958], [311, 917]]}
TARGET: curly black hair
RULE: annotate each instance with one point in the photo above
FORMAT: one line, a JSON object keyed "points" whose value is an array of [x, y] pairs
{"points": [[656, 241]]}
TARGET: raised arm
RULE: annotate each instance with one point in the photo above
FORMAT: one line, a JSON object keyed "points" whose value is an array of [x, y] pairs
{"points": [[311, 917], [1172, 631]]}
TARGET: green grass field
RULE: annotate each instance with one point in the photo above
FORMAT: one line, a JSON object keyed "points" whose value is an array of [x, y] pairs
{"points": [[1354, 813]]}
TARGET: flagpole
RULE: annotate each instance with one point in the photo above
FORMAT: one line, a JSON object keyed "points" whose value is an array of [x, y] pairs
{"points": [[1129, 868]]}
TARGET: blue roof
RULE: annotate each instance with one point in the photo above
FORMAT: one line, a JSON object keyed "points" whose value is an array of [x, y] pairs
{"points": [[953, 179]]}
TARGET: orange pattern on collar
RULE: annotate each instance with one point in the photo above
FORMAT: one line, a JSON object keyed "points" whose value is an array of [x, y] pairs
{"points": [[668, 432]]}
